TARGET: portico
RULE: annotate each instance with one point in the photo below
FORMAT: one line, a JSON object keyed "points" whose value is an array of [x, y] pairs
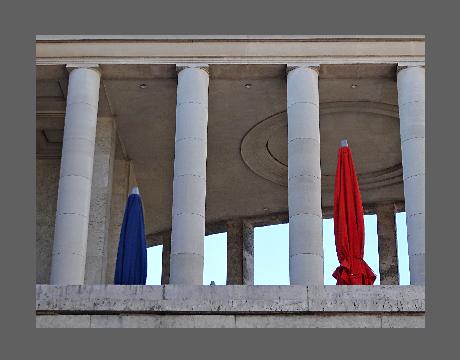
{"points": [[225, 145]]}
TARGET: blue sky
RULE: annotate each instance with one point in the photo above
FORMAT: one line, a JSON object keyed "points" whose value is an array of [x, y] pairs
{"points": [[271, 254]]}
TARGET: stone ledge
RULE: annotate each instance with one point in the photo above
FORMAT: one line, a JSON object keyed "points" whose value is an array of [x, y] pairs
{"points": [[336, 320], [230, 37], [269, 50], [229, 299]]}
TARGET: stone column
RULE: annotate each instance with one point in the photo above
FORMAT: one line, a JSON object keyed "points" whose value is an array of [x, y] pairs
{"points": [[388, 251], [304, 177], [189, 184], [248, 253], [101, 202], [166, 255], [411, 100], [240, 253], [74, 194]]}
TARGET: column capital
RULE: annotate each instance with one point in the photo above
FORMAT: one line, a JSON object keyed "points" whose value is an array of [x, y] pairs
{"points": [[312, 66], [204, 67], [73, 66], [406, 65]]}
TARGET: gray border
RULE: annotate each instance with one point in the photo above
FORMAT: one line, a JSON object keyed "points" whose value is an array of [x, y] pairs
{"points": [[23, 21]]}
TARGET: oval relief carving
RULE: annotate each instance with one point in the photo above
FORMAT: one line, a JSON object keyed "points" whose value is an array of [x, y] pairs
{"points": [[372, 130]]}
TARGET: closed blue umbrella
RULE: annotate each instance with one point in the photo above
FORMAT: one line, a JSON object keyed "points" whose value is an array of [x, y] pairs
{"points": [[131, 266]]}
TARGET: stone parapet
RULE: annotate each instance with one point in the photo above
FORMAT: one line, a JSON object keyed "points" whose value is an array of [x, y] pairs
{"points": [[229, 306]]}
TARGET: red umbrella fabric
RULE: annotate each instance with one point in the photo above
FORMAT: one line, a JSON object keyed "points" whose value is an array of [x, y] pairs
{"points": [[349, 225]]}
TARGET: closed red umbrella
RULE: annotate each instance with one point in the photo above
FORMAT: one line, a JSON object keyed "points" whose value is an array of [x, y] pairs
{"points": [[349, 224]]}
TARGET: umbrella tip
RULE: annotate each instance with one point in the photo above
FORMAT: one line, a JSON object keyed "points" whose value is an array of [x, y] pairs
{"points": [[135, 190], [343, 143]]}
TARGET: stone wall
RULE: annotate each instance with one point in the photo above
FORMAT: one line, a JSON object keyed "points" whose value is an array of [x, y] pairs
{"points": [[120, 192], [232, 306], [101, 202], [47, 180]]}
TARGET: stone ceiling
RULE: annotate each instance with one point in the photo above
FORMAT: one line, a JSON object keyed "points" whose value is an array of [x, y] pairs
{"points": [[247, 132]]}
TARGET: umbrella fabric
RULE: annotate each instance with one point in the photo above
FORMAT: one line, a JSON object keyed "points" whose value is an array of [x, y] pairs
{"points": [[131, 266], [349, 225]]}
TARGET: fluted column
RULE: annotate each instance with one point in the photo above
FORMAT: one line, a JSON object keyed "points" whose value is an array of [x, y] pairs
{"points": [[304, 177], [189, 184], [74, 194], [411, 100]]}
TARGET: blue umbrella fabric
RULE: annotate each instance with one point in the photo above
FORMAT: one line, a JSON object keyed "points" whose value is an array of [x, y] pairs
{"points": [[131, 266]]}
